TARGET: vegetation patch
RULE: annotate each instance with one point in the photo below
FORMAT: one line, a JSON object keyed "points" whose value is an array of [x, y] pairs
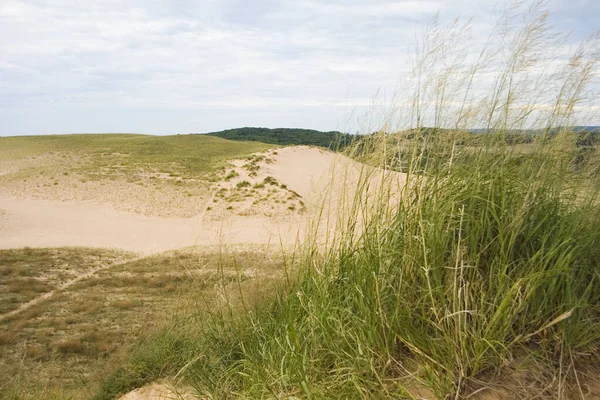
{"points": [[28, 273], [288, 136], [243, 184], [108, 324]]}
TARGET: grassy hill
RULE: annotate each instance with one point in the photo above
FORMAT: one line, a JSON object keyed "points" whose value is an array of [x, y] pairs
{"points": [[170, 176], [187, 154], [288, 136]]}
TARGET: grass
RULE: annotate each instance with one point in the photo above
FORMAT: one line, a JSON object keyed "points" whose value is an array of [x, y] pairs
{"points": [[232, 174], [61, 345], [269, 180], [483, 269], [243, 184], [27, 273], [175, 155], [95, 157]]}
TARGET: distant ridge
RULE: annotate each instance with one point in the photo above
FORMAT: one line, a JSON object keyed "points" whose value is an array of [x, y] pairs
{"points": [[338, 140], [287, 136], [587, 135], [578, 129]]}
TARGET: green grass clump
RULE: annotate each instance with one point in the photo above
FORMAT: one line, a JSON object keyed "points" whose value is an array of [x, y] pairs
{"points": [[484, 263], [269, 180], [232, 174], [243, 184]]}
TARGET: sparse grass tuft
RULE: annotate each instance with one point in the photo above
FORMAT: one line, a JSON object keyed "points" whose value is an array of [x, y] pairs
{"points": [[269, 180], [232, 174], [243, 184]]}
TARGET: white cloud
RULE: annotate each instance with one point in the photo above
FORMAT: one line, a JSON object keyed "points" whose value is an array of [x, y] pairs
{"points": [[186, 58]]}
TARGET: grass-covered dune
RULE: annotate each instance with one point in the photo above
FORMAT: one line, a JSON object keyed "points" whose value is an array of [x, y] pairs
{"points": [[288, 136], [481, 281], [190, 155], [167, 176], [485, 275]]}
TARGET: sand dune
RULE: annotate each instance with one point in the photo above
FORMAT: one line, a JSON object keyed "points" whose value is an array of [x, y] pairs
{"points": [[48, 223], [313, 174], [304, 169]]}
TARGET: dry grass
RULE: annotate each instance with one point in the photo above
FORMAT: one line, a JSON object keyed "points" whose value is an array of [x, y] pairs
{"points": [[134, 173], [28, 273], [63, 343]]}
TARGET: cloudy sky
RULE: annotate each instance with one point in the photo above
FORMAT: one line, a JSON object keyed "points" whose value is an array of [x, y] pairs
{"points": [[179, 66]]}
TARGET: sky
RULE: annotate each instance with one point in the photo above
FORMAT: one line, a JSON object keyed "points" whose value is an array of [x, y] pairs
{"points": [[181, 66]]}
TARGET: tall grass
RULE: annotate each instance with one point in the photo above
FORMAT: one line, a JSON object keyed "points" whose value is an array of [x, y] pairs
{"points": [[482, 274], [485, 274]]}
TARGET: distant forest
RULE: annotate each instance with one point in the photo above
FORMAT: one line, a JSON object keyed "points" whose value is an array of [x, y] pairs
{"points": [[288, 136], [587, 136]]}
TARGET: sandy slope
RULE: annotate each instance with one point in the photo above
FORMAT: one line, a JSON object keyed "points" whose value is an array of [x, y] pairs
{"points": [[46, 223], [305, 170]]}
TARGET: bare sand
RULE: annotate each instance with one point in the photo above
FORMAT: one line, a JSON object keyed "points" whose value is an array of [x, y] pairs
{"points": [[43, 223], [162, 390]]}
